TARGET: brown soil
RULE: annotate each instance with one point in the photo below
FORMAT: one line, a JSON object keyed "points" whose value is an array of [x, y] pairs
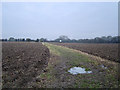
{"points": [[22, 62]]}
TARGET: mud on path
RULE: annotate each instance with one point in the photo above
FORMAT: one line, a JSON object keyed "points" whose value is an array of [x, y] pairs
{"points": [[62, 59]]}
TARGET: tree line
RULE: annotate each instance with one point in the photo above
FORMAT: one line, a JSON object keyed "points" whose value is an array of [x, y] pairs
{"points": [[65, 39], [11, 39], [103, 39]]}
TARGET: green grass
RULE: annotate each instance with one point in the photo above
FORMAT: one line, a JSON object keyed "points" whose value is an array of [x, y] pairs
{"points": [[46, 75], [87, 69], [53, 49], [75, 59]]}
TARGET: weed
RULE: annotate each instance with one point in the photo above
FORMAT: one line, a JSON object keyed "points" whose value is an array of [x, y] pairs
{"points": [[87, 69]]}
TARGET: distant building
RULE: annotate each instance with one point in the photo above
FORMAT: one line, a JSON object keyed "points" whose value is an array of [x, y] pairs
{"points": [[60, 41]]}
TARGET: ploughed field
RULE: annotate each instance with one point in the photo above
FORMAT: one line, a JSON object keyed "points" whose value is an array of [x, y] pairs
{"points": [[44, 65], [22, 62], [107, 51]]}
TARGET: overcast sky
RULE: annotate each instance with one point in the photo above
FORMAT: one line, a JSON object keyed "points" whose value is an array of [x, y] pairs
{"points": [[50, 20]]}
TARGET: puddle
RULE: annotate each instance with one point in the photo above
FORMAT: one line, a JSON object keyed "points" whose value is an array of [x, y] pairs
{"points": [[78, 70], [103, 66]]}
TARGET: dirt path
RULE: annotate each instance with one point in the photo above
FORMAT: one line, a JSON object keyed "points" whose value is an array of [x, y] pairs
{"points": [[62, 59]]}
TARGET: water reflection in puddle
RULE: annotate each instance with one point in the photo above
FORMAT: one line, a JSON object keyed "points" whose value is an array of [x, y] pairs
{"points": [[103, 66], [78, 70]]}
